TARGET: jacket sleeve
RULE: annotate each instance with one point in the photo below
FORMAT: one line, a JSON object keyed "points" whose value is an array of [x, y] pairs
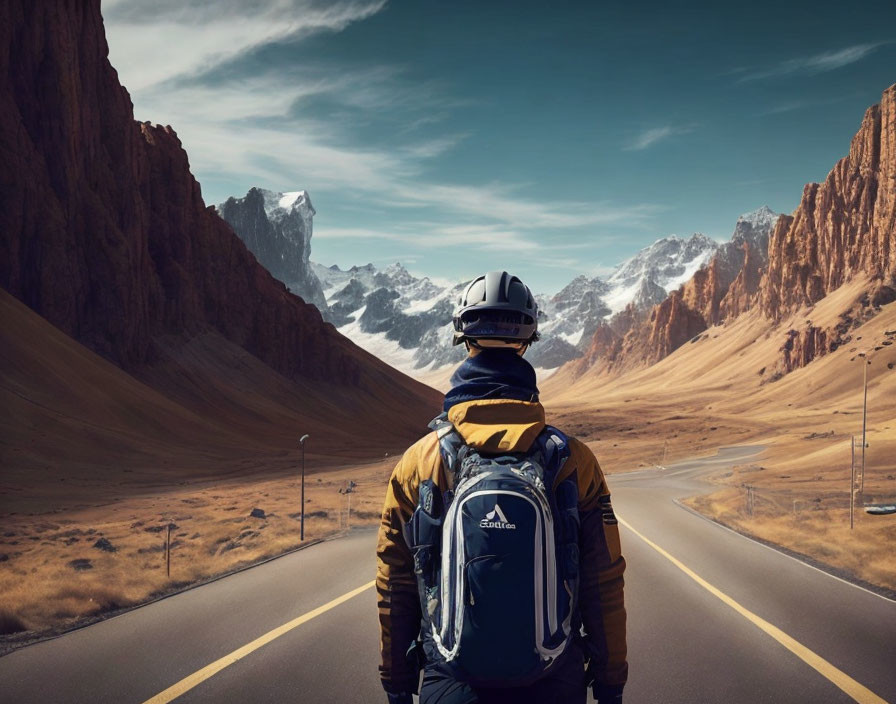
{"points": [[396, 584], [601, 572]]}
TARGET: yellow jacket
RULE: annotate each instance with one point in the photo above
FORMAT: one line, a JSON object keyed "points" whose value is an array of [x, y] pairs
{"points": [[499, 425]]}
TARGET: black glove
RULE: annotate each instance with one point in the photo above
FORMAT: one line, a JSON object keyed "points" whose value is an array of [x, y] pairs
{"points": [[607, 693], [401, 698]]}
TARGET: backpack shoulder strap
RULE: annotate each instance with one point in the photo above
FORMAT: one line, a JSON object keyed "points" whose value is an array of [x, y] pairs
{"points": [[554, 446], [450, 445]]}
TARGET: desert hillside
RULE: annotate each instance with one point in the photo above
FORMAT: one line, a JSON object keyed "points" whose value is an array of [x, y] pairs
{"points": [[78, 429]]}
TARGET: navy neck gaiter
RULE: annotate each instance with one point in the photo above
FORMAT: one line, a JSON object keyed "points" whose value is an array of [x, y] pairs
{"points": [[493, 373]]}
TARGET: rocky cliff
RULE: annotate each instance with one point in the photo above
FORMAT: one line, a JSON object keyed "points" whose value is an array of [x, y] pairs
{"points": [[277, 229], [104, 229], [843, 228]]}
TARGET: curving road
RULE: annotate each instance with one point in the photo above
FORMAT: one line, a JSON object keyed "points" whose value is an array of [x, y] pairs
{"points": [[713, 617]]}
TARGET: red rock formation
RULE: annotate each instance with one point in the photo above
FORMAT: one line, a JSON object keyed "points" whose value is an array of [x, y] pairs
{"points": [[670, 325], [843, 227], [802, 346], [744, 290], [704, 291], [631, 339], [626, 319], [605, 345], [103, 227]]}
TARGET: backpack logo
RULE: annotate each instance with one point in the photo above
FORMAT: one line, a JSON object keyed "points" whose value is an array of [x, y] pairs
{"points": [[496, 519]]}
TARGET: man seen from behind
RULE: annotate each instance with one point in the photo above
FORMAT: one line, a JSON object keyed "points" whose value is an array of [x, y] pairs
{"points": [[499, 572]]}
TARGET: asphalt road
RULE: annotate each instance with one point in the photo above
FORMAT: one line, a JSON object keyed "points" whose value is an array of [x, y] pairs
{"points": [[730, 621]]}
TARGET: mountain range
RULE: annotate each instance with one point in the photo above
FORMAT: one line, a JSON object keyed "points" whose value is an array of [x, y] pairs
{"points": [[406, 320]]}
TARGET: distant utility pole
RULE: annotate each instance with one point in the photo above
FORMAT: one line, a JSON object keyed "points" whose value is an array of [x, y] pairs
{"points": [[852, 484], [302, 529], [348, 491], [665, 444], [864, 417], [168, 551]]}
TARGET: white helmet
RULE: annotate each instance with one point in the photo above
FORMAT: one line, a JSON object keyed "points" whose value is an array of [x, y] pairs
{"points": [[496, 306]]}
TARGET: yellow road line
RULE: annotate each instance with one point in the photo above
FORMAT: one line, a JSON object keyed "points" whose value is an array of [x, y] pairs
{"points": [[857, 691], [214, 668]]}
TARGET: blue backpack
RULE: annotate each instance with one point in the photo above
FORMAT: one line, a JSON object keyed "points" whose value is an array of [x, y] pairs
{"points": [[497, 560]]}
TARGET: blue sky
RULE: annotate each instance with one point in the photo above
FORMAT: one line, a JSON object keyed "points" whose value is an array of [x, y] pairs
{"points": [[549, 139]]}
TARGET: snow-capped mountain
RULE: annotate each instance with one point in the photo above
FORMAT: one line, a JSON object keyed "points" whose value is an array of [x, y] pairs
{"points": [[648, 276], [566, 320], [753, 230], [277, 229], [403, 319], [752, 227], [406, 320]]}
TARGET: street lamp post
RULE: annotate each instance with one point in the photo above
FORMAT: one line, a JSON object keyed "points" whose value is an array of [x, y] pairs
{"points": [[866, 361], [302, 529]]}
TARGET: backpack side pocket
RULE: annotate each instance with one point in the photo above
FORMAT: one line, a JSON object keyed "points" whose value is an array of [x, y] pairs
{"points": [[423, 533]]}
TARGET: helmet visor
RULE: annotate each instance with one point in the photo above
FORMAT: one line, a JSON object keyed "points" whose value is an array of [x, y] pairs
{"points": [[495, 324]]}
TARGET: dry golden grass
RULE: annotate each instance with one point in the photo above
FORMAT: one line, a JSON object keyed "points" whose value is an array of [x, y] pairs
{"points": [[43, 588], [815, 526], [801, 495]]}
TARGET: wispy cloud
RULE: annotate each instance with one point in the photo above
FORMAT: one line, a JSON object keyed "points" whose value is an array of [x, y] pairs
{"points": [[481, 237], [434, 147], [502, 203], [159, 41], [785, 107], [813, 64], [266, 126], [794, 105], [654, 135], [475, 236], [651, 137]]}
